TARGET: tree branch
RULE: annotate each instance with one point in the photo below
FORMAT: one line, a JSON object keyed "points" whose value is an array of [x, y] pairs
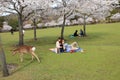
{"points": [[69, 13], [27, 16]]}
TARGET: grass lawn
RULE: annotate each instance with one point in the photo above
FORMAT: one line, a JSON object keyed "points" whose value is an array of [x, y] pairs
{"points": [[100, 61]]}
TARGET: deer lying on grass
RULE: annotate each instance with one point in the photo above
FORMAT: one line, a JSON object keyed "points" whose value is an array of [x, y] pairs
{"points": [[25, 49]]}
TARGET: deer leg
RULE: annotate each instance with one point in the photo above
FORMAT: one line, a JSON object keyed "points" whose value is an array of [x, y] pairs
{"points": [[21, 57], [35, 56], [32, 57]]}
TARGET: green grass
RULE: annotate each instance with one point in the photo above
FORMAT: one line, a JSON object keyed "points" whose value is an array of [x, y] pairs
{"points": [[100, 61]]}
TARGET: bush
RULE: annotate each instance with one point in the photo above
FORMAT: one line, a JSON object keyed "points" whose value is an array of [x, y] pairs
{"points": [[13, 22]]}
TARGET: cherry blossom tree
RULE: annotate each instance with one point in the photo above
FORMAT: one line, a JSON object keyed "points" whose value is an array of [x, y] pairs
{"points": [[24, 10], [35, 18], [93, 8], [63, 8], [39, 12]]}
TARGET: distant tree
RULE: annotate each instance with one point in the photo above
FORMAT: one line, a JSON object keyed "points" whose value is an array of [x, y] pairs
{"points": [[13, 21], [116, 9], [118, 3], [1, 21], [23, 9], [91, 8], [65, 9], [39, 13]]}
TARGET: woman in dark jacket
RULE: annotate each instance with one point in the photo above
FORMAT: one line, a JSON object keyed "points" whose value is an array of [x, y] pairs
{"points": [[75, 33]]}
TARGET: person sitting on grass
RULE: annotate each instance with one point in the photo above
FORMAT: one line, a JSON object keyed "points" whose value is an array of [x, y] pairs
{"points": [[73, 47], [61, 43], [69, 48], [59, 46], [81, 33], [75, 33]]}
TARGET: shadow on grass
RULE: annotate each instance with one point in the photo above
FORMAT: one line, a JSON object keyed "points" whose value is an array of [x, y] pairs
{"points": [[95, 36], [25, 65], [47, 40], [13, 66], [50, 40]]}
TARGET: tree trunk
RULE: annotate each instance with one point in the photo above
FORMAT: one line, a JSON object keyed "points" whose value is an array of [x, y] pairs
{"points": [[34, 22], [3, 61], [21, 35], [84, 26], [63, 25]]}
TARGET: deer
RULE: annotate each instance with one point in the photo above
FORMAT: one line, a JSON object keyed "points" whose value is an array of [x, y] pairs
{"points": [[24, 49]]}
